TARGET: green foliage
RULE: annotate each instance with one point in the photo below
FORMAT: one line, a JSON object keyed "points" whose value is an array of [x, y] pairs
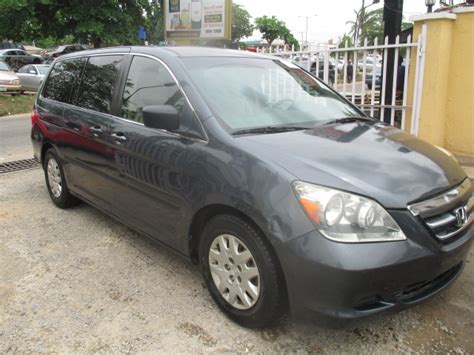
{"points": [[270, 27], [100, 22], [241, 26], [273, 28], [372, 26]]}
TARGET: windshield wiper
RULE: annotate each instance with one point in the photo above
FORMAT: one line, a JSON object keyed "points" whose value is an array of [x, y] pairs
{"points": [[349, 119], [269, 130]]}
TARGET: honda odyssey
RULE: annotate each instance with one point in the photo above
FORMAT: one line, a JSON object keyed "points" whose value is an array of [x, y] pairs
{"points": [[286, 195]]}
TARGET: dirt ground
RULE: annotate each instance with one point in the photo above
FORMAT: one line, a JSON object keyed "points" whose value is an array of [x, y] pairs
{"points": [[78, 281]]}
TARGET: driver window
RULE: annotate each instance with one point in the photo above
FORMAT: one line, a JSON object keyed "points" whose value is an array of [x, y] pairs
{"points": [[149, 83]]}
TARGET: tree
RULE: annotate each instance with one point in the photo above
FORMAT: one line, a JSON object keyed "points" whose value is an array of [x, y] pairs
{"points": [[289, 39], [241, 26], [370, 26], [88, 21], [270, 27]]}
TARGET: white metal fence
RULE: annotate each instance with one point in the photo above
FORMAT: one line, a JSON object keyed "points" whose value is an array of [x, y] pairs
{"points": [[360, 74]]}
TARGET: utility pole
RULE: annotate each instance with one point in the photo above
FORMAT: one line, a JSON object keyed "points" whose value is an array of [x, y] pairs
{"points": [[307, 18], [392, 16]]}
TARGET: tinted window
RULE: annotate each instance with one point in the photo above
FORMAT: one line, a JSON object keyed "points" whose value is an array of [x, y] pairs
{"points": [[149, 83], [98, 83], [25, 69], [61, 79]]}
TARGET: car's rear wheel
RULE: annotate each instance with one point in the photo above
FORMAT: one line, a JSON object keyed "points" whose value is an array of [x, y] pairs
{"points": [[56, 182], [241, 272]]}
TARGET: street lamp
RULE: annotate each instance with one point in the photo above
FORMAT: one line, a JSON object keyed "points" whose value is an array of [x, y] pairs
{"points": [[429, 4]]}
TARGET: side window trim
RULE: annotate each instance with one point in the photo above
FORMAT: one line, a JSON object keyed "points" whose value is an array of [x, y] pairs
{"points": [[120, 87]]}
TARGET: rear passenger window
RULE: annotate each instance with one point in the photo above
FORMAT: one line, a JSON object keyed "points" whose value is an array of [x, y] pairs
{"points": [[61, 79], [149, 83], [98, 83]]}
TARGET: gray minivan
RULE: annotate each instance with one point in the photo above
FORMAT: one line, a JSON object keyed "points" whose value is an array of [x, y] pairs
{"points": [[286, 195]]}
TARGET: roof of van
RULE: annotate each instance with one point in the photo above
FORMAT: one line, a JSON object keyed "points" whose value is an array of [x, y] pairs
{"points": [[176, 51]]}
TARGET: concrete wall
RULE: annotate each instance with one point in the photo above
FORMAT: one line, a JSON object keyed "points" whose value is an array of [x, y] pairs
{"points": [[447, 101]]}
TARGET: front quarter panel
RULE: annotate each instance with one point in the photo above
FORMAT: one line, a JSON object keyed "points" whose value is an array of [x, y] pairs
{"points": [[224, 174]]}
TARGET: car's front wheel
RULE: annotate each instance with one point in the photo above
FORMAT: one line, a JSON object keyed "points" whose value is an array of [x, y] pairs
{"points": [[241, 272], [56, 182]]}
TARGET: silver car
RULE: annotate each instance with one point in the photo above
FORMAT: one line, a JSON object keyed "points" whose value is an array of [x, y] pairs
{"points": [[9, 82], [31, 76], [17, 58]]}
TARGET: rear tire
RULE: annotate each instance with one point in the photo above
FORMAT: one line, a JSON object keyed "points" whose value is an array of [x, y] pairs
{"points": [[242, 275], [56, 182]]}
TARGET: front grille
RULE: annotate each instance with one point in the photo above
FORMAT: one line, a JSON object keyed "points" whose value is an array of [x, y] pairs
{"points": [[449, 214]]}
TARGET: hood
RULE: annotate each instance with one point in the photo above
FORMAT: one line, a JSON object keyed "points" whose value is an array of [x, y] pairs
{"points": [[367, 158], [7, 75]]}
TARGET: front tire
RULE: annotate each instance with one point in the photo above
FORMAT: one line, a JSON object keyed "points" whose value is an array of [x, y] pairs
{"points": [[241, 272], [56, 182]]}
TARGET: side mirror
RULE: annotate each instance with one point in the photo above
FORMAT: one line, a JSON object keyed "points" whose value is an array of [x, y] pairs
{"points": [[161, 117], [32, 72]]}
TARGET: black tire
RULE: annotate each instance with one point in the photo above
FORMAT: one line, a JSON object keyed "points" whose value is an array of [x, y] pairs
{"points": [[270, 304], [64, 199]]}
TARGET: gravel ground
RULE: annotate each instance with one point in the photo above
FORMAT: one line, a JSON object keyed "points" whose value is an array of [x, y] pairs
{"points": [[78, 281]]}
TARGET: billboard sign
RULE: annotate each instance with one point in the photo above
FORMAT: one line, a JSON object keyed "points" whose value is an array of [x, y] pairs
{"points": [[198, 19]]}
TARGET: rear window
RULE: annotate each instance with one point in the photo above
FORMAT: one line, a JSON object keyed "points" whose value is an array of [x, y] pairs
{"points": [[98, 83], [60, 81]]}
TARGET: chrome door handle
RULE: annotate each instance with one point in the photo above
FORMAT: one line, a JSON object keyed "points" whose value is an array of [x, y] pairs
{"points": [[96, 130], [119, 137]]}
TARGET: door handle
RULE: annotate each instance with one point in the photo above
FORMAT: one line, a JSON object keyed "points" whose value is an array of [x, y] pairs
{"points": [[96, 130], [119, 137]]}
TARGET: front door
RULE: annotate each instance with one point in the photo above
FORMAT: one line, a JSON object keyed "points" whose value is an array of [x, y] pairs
{"points": [[151, 162]]}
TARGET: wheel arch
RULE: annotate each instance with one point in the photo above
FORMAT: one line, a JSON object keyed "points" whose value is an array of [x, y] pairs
{"points": [[206, 213]]}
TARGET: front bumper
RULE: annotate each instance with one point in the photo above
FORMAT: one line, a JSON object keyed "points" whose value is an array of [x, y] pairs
{"points": [[337, 281], [8, 89]]}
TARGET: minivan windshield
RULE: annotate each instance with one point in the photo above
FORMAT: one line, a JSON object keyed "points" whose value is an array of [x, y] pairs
{"points": [[248, 93]]}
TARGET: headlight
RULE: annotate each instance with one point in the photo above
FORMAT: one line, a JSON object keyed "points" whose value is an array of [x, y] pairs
{"points": [[345, 217], [15, 82]]}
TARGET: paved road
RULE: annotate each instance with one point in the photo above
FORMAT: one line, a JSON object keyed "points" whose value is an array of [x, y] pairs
{"points": [[15, 141], [78, 281]]}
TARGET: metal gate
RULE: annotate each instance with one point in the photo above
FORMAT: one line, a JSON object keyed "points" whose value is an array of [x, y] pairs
{"points": [[359, 73]]}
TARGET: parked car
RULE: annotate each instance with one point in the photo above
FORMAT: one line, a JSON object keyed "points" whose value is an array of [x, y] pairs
{"points": [[11, 45], [371, 64], [9, 82], [313, 67], [16, 58], [378, 79], [61, 50], [31, 76], [284, 193]]}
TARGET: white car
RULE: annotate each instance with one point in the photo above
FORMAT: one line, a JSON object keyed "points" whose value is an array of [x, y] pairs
{"points": [[31, 76], [371, 63], [9, 81]]}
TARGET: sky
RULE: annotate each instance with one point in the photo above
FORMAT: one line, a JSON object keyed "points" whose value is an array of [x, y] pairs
{"points": [[331, 15]]}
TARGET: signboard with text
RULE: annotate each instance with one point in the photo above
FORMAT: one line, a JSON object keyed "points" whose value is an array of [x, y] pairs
{"points": [[188, 20]]}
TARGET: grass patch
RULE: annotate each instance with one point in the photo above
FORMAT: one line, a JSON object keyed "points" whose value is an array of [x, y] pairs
{"points": [[13, 105]]}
